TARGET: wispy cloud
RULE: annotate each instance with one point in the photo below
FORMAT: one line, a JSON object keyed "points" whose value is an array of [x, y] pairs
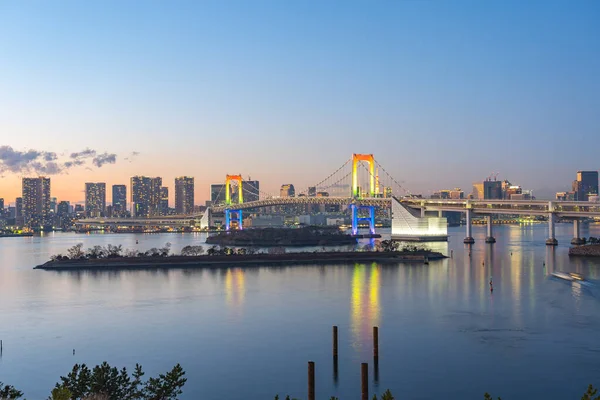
{"points": [[49, 163], [104, 158]]}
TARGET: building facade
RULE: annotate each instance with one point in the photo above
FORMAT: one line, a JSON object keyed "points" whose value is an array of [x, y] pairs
{"points": [[585, 185], [145, 196], [95, 199], [287, 190], [164, 201], [36, 202], [119, 200], [217, 194], [184, 195]]}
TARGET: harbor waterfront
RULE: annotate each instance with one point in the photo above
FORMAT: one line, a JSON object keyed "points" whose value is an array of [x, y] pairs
{"points": [[248, 332]]}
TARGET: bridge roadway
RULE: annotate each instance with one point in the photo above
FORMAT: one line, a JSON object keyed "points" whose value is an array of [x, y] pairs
{"points": [[573, 210]]}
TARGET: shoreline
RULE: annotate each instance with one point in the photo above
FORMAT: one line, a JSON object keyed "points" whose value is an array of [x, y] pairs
{"points": [[585, 250], [233, 260]]}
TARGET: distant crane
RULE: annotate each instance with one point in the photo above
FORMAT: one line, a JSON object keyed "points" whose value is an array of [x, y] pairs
{"points": [[493, 175]]}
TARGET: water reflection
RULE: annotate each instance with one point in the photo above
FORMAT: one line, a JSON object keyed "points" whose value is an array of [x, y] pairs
{"points": [[365, 306], [235, 289]]}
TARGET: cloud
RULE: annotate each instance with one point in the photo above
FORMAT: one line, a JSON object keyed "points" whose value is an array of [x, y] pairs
{"points": [[48, 162], [74, 163], [132, 156], [104, 158], [87, 153]]}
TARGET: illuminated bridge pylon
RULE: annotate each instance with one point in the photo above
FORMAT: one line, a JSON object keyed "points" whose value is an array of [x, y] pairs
{"points": [[238, 179], [229, 211], [368, 158], [356, 192]]}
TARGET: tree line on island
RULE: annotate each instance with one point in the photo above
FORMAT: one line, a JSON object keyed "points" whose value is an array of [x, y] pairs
{"points": [[104, 382], [77, 252]]}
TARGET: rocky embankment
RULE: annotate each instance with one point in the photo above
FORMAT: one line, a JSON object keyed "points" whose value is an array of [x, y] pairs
{"points": [[221, 261], [590, 250]]}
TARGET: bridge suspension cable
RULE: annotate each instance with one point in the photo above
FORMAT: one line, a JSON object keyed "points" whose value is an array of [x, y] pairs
{"points": [[328, 177]]}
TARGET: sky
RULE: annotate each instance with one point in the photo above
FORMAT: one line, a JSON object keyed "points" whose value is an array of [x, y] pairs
{"points": [[442, 93]]}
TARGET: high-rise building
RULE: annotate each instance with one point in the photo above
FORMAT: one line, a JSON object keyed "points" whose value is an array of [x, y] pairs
{"points": [[119, 200], [487, 190], [63, 209], [217, 194], [184, 195], [457, 193], [145, 196], [164, 201], [251, 190], [1, 207], [36, 201], [387, 192], [53, 204], [287, 190], [95, 199], [312, 191], [585, 185], [18, 207]]}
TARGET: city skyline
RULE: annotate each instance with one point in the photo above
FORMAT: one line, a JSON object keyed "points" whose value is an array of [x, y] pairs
{"points": [[442, 94]]}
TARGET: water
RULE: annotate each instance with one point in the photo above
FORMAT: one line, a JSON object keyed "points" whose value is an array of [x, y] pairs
{"points": [[248, 333]]}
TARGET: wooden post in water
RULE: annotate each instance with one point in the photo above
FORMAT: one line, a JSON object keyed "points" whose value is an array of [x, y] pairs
{"points": [[376, 352], [364, 380], [311, 380], [335, 353], [335, 341], [376, 342]]}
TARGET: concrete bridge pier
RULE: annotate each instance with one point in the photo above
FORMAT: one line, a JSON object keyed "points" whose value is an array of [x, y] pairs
{"points": [[577, 240], [440, 214], [469, 239], [551, 241], [490, 237]]}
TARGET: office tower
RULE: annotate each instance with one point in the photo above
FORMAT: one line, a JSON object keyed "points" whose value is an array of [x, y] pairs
{"points": [[456, 193], [119, 200], [217, 194], [184, 195], [251, 190], [145, 196], [164, 201], [63, 209], [487, 190], [95, 199], [387, 192], [1, 207], [287, 190], [53, 203], [18, 207], [585, 185], [36, 201], [312, 191]]}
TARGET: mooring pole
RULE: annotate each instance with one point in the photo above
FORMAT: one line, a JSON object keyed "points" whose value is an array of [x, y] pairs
{"points": [[364, 379], [311, 380], [335, 341]]}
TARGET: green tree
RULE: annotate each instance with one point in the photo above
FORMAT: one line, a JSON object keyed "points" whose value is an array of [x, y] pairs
{"points": [[167, 386], [590, 393], [488, 396], [60, 393], [106, 382], [9, 392]]}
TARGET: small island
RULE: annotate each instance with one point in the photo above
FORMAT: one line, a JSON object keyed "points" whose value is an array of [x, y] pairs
{"points": [[288, 237], [589, 248], [114, 257]]}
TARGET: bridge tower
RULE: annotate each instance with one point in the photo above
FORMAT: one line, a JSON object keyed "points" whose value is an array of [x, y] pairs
{"points": [[228, 211], [356, 158], [238, 179]]}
